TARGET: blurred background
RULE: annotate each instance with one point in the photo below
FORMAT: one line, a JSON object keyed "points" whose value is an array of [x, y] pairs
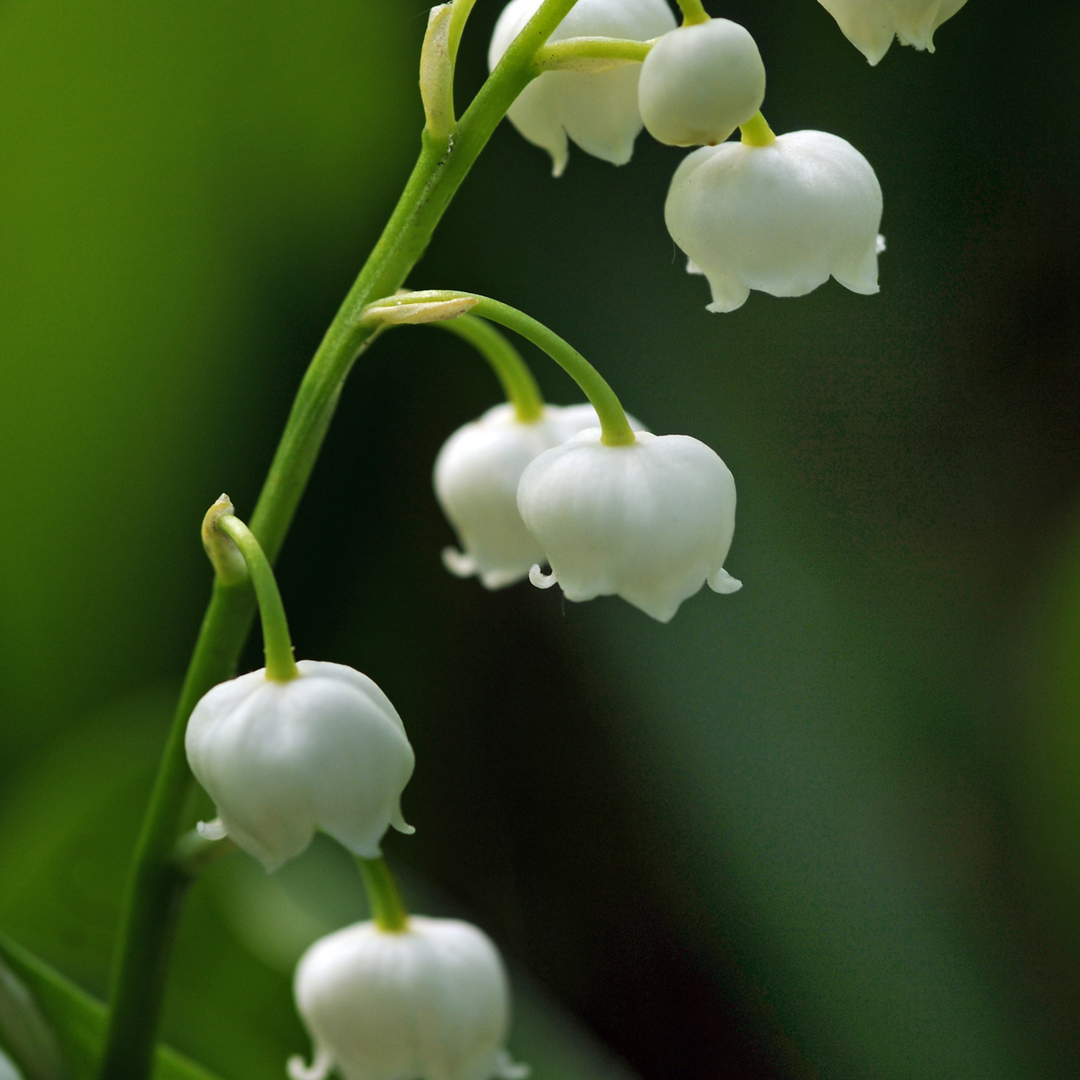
{"points": [[827, 827]]}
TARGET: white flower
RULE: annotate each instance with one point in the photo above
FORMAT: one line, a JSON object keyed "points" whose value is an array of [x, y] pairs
{"points": [[870, 24], [700, 82], [8, 1071], [651, 522], [326, 750], [598, 110], [476, 481], [780, 218], [430, 1002]]}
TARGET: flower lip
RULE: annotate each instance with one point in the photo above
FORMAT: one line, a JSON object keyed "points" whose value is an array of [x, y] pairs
{"points": [[326, 750], [871, 25], [651, 522]]}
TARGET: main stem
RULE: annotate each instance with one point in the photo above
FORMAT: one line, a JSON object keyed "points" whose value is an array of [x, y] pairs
{"points": [[157, 886]]}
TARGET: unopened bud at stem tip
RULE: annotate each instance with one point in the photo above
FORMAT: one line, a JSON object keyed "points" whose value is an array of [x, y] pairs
{"points": [[225, 556]]}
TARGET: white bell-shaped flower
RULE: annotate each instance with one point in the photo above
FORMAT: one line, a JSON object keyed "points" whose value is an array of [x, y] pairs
{"points": [[870, 25], [598, 110], [651, 521], [700, 82], [780, 218], [476, 481], [430, 1002], [326, 750]]}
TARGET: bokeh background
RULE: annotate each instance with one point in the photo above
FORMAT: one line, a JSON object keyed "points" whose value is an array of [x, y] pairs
{"points": [[828, 827]]}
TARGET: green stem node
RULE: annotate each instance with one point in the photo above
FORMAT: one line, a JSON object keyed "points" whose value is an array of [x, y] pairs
{"points": [[280, 664], [755, 132], [510, 369], [615, 428], [386, 907]]}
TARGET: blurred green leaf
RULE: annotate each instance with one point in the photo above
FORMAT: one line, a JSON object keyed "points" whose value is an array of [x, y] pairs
{"points": [[79, 1020]]}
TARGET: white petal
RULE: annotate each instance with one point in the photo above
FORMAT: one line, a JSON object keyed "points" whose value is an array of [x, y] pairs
{"points": [[280, 760], [649, 522], [779, 218]]}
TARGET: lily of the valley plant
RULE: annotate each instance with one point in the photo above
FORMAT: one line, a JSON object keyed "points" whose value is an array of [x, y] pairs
{"points": [[580, 496]]}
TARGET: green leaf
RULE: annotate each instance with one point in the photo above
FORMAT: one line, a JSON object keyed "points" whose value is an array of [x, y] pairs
{"points": [[79, 1020]]}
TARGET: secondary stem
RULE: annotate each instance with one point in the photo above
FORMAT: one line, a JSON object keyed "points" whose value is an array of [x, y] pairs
{"points": [[280, 663], [615, 428], [156, 887], [382, 892], [511, 370]]}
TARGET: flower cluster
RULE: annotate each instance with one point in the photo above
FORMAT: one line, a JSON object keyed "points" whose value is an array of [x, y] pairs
{"points": [[609, 507], [775, 214]]}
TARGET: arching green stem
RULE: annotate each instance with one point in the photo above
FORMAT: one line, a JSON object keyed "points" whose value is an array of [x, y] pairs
{"points": [[156, 888], [591, 54], [614, 426], [755, 132], [280, 664], [693, 12], [382, 892], [511, 370]]}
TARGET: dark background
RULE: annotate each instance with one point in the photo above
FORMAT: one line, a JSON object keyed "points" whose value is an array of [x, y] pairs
{"points": [[827, 827]]}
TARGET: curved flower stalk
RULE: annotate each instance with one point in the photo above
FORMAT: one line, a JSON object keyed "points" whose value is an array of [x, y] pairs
{"points": [[427, 1001], [598, 110], [779, 214], [871, 25], [700, 82], [476, 480], [651, 521]]}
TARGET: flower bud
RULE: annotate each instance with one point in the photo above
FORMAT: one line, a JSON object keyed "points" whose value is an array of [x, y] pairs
{"points": [[598, 110], [700, 82], [476, 481], [780, 218], [430, 1002], [325, 751], [651, 521], [871, 24]]}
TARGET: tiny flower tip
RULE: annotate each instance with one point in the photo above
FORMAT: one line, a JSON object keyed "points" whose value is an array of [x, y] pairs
{"points": [[880, 244], [541, 580], [508, 1069], [458, 563], [498, 579], [693, 268], [318, 1070], [211, 830], [722, 582]]}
